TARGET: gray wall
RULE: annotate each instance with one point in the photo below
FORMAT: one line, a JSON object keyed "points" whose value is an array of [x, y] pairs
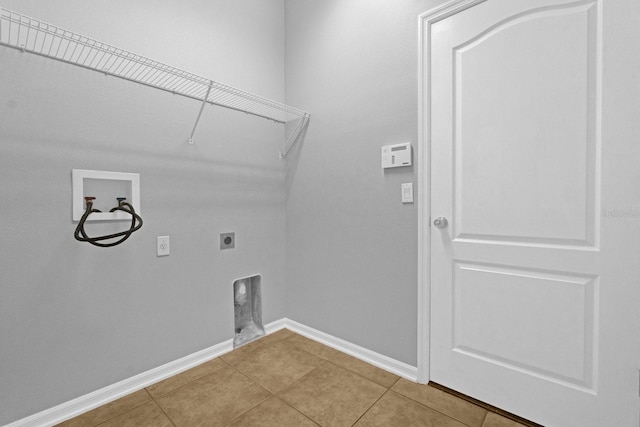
{"points": [[73, 317], [326, 229], [351, 243]]}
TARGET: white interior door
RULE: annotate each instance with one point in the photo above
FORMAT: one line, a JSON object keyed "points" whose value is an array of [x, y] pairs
{"points": [[529, 288]]}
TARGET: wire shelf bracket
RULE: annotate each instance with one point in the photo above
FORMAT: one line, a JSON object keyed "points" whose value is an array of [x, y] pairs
{"points": [[40, 38], [204, 102]]}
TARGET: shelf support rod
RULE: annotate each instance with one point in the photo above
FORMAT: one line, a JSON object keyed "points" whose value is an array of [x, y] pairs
{"points": [[293, 137], [204, 102]]}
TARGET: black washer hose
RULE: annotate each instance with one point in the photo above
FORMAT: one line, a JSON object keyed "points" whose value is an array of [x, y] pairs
{"points": [[122, 206]]}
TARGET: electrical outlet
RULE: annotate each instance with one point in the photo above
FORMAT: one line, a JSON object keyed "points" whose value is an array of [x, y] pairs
{"points": [[163, 245], [227, 240]]}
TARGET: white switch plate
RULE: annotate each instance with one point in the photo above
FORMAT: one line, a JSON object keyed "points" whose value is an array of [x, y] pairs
{"points": [[407, 192], [163, 245]]}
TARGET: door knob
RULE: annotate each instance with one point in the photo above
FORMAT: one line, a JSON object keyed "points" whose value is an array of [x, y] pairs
{"points": [[440, 222]]}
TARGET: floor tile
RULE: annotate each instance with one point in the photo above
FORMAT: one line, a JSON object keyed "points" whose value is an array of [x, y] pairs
{"points": [[163, 387], [370, 372], [495, 420], [314, 347], [278, 365], [332, 396], [147, 415], [273, 413], [448, 404], [281, 334], [244, 351], [212, 400], [285, 379], [109, 410], [396, 410]]}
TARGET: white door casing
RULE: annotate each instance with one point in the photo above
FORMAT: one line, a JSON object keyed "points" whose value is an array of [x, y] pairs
{"points": [[524, 296]]}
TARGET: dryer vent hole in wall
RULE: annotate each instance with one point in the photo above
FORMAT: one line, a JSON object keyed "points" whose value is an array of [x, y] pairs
{"points": [[247, 302]]}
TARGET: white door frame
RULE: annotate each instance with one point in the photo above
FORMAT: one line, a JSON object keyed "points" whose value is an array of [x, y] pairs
{"points": [[424, 173]]}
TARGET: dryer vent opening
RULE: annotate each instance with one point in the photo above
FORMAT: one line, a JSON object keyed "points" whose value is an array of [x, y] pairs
{"points": [[247, 302]]}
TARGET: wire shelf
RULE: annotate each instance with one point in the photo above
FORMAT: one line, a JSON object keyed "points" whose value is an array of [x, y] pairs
{"points": [[34, 36]]}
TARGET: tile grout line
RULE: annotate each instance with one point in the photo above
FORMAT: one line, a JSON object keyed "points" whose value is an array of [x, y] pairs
{"points": [[451, 417], [298, 411], [388, 389], [185, 384], [361, 376], [121, 413], [442, 413], [254, 341], [163, 411], [304, 349], [253, 380], [271, 394], [335, 364], [484, 420], [251, 408], [274, 394], [324, 362], [228, 365], [330, 360], [372, 405], [299, 379]]}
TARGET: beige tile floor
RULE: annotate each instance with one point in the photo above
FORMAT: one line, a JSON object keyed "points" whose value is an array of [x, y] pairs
{"points": [[283, 380]]}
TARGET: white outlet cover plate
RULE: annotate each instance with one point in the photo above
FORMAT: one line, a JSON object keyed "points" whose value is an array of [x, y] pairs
{"points": [[407, 192], [163, 245]]}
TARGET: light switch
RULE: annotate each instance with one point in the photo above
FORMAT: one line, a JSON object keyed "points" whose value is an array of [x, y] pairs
{"points": [[407, 192]]}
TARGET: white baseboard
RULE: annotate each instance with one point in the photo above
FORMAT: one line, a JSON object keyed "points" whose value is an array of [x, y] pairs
{"points": [[82, 404], [376, 359], [275, 326]]}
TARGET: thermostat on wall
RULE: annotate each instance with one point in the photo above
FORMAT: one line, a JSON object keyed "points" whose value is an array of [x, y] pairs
{"points": [[397, 155]]}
